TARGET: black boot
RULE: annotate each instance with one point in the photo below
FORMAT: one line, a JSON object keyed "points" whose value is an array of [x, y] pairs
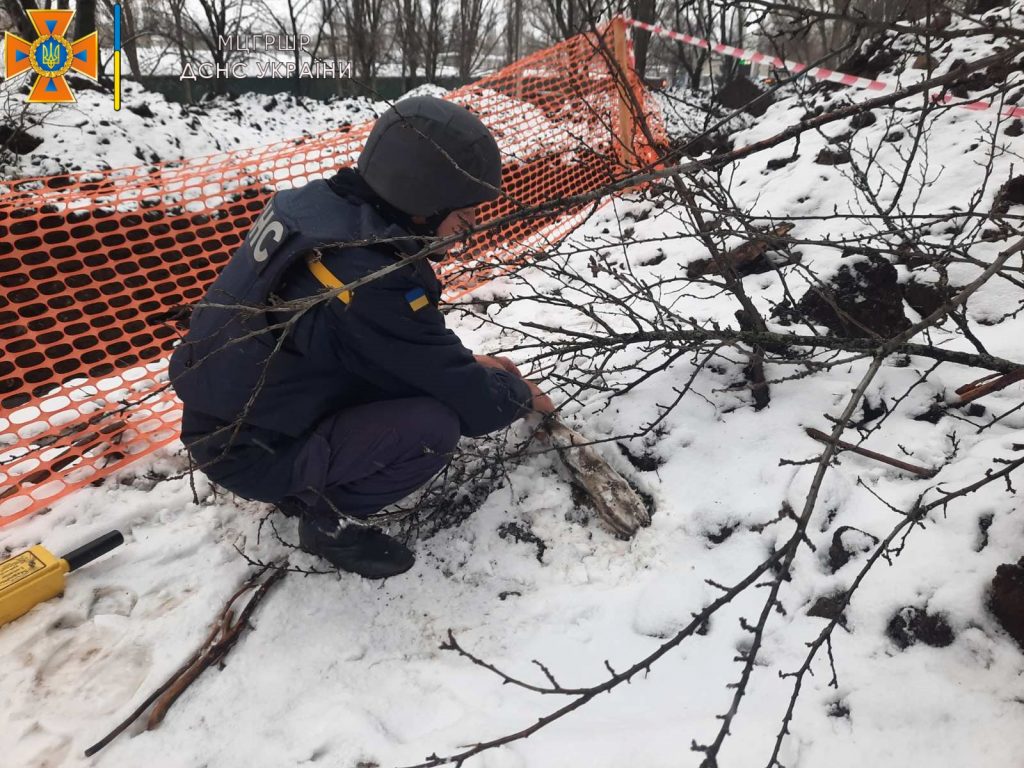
{"points": [[289, 506], [366, 551]]}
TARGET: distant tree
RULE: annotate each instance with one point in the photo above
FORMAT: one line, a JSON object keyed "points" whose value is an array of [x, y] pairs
{"points": [[435, 30], [130, 33], [364, 26], [331, 11], [15, 11], [325, 11], [642, 10], [408, 33], [561, 19], [472, 36], [301, 17], [809, 30], [180, 39], [217, 19], [85, 18], [513, 29], [706, 19], [290, 24]]}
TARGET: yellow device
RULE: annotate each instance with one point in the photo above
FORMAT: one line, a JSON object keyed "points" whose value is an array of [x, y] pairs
{"points": [[37, 575]]}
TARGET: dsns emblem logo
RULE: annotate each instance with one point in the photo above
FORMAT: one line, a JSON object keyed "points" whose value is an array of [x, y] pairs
{"points": [[51, 56]]}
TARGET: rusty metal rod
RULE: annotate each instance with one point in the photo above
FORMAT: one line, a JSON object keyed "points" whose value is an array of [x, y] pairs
{"points": [[820, 436]]}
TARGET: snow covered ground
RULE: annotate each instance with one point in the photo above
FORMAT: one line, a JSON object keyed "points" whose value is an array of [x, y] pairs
{"points": [[345, 673], [90, 135]]}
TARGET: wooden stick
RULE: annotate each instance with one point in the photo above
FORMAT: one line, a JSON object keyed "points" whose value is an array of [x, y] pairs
{"points": [[987, 384], [229, 633], [817, 434], [626, 124], [211, 651]]}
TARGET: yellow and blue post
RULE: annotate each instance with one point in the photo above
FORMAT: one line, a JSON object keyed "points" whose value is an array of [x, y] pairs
{"points": [[117, 57]]}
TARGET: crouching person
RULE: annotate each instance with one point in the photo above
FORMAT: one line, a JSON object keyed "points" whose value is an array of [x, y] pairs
{"points": [[336, 410]]}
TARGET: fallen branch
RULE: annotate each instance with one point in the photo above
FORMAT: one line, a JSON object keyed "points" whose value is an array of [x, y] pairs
{"points": [[820, 436], [614, 680], [988, 384], [742, 256], [223, 636], [770, 340]]}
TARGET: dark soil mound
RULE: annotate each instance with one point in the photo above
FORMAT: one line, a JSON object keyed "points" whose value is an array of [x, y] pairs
{"points": [[1011, 193], [847, 543], [1007, 599], [863, 300], [913, 625], [742, 93], [18, 141]]}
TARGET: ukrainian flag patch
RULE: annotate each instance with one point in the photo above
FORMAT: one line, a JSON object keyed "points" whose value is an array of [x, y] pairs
{"points": [[417, 299]]}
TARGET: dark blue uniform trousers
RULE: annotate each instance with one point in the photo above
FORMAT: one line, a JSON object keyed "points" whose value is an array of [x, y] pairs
{"points": [[355, 462]]}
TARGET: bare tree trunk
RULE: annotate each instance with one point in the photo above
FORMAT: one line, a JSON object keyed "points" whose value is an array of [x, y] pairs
{"points": [[695, 20], [220, 19], [129, 41], [293, 29], [407, 35], [469, 34], [16, 10], [85, 18], [364, 26], [433, 38], [561, 19], [513, 29], [293, 26], [333, 27], [326, 12], [643, 10], [177, 8]]}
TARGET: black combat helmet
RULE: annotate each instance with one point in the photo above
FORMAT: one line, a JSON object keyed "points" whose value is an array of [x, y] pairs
{"points": [[425, 156]]}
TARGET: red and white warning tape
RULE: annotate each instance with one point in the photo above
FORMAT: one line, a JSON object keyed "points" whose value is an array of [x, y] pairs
{"points": [[821, 73]]}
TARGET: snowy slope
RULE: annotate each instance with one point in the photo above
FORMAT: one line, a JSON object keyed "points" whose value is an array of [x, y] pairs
{"points": [[90, 135], [347, 673]]}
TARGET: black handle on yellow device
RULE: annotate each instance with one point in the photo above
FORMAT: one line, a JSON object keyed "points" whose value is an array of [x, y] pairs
{"points": [[95, 548]]}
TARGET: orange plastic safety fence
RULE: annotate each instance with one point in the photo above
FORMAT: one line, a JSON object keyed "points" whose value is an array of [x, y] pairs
{"points": [[92, 264]]}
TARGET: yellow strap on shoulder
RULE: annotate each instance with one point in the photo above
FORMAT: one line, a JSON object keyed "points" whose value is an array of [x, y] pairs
{"points": [[327, 278]]}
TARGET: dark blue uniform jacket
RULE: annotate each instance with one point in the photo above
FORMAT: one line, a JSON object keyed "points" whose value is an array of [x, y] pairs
{"points": [[387, 341]]}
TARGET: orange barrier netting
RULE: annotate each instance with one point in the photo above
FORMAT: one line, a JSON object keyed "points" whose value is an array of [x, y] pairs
{"points": [[91, 263]]}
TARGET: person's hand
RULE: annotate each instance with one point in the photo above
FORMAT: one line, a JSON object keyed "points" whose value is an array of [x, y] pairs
{"points": [[501, 363], [541, 402]]}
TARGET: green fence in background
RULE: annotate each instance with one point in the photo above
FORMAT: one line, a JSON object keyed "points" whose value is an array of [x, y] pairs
{"points": [[381, 88]]}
